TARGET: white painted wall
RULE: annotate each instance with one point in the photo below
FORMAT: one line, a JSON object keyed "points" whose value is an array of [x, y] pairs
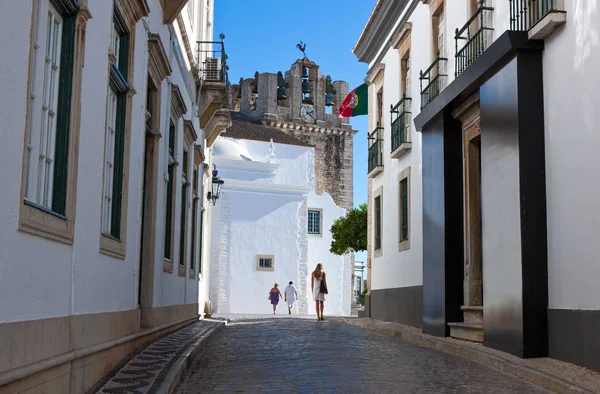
{"points": [[24, 258], [43, 278], [571, 84], [396, 268], [337, 268], [270, 218]]}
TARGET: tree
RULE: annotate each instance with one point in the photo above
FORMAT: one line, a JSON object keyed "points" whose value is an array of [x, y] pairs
{"points": [[350, 232]]}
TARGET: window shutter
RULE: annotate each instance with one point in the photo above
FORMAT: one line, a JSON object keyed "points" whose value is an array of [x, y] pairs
{"points": [[182, 231], [404, 202], [200, 245], [118, 167], [63, 117], [123, 62], [169, 214]]}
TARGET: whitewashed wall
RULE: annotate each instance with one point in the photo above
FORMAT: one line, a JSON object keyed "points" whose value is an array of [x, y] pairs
{"points": [[571, 85], [338, 268], [24, 258], [396, 268], [270, 218], [44, 278], [172, 289]]}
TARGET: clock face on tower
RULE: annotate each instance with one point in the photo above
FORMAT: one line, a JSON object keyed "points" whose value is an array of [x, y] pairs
{"points": [[307, 113]]}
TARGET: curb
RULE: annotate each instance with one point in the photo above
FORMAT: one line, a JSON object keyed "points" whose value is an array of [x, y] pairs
{"points": [[534, 376], [174, 376]]}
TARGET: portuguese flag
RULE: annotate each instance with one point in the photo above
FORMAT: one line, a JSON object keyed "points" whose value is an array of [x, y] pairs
{"points": [[356, 103]]}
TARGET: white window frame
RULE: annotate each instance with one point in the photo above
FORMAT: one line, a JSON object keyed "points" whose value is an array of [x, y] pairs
{"points": [[441, 32], [43, 101], [109, 160], [264, 257], [320, 230]]}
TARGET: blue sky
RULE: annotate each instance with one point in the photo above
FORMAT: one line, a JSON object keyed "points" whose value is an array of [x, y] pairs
{"points": [[261, 35]]}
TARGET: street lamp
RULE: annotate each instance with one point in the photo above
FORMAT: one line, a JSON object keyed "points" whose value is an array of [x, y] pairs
{"points": [[216, 186]]}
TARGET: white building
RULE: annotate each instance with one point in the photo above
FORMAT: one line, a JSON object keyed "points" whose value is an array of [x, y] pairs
{"points": [[500, 146], [110, 126], [269, 225]]}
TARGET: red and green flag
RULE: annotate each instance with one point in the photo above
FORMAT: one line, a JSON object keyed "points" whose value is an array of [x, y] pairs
{"points": [[356, 103]]}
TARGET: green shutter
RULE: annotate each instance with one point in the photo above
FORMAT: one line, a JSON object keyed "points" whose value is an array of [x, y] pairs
{"points": [[169, 214], [117, 197], [172, 138], [378, 223], [182, 231], [193, 246], [63, 117], [123, 61], [404, 208], [200, 244]]}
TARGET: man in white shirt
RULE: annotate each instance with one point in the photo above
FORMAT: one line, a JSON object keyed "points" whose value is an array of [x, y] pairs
{"points": [[290, 295]]}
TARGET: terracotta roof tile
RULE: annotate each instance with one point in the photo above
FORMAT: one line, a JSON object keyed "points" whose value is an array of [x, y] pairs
{"points": [[245, 128]]}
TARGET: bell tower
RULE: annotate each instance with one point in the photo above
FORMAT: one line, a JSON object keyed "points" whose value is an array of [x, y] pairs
{"points": [[304, 102]]}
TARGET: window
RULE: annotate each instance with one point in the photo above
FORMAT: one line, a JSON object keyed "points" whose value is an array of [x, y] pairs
{"points": [[111, 124], [52, 64], [380, 107], [404, 209], [116, 113], [170, 186], [265, 263], [314, 221], [183, 221], [439, 39], [406, 88], [190, 10], [378, 222], [194, 219]]}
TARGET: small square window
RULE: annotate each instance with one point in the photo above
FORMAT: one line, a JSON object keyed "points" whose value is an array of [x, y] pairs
{"points": [[265, 263], [314, 221]]}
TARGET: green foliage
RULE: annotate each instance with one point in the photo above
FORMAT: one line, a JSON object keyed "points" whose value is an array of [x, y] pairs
{"points": [[361, 297], [350, 232]]}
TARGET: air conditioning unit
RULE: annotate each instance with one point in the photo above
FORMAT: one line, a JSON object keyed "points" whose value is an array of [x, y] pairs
{"points": [[212, 69]]}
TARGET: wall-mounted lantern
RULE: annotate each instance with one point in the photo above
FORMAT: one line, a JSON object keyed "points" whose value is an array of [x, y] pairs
{"points": [[216, 186]]}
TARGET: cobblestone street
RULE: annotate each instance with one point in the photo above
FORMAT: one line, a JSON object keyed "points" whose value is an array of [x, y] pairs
{"points": [[298, 355]]}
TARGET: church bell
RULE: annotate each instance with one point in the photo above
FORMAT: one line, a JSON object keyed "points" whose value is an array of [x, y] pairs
{"points": [[281, 93], [305, 86], [328, 99]]}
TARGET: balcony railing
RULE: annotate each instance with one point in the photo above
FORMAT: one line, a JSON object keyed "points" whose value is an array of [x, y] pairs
{"points": [[435, 77], [477, 38], [212, 60], [401, 122], [375, 149], [524, 14]]}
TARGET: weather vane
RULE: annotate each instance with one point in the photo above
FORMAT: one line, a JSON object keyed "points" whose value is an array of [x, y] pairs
{"points": [[302, 47]]}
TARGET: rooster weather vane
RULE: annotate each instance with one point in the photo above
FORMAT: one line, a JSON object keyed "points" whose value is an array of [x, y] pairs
{"points": [[302, 47]]}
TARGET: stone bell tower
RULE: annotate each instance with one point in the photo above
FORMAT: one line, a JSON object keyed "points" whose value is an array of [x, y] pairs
{"points": [[305, 103]]}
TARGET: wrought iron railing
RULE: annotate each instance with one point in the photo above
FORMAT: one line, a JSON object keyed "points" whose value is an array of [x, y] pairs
{"points": [[401, 122], [375, 148], [524, 14], [477, 38], [212, 60], [435, 76]]}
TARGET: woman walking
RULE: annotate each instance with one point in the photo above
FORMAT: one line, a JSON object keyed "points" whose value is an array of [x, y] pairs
{"points": [[274, 296], [319, 289]]}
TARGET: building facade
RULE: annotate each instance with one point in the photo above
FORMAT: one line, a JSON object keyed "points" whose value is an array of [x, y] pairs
{"points": [[105, 177], [270, 225], [494, 179]]}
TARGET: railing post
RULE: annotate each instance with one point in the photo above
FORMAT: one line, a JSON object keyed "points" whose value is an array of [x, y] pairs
{"points": [[456, 57]]}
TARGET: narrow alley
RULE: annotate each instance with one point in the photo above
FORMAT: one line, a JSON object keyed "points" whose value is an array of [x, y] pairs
{"points": [[305, 356]]}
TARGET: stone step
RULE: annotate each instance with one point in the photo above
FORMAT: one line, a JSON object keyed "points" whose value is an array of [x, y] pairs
{"points": [[472, 314], [467, 331]]}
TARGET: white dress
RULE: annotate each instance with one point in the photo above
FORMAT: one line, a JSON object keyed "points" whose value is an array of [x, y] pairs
{"points": [[317, 295]]}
